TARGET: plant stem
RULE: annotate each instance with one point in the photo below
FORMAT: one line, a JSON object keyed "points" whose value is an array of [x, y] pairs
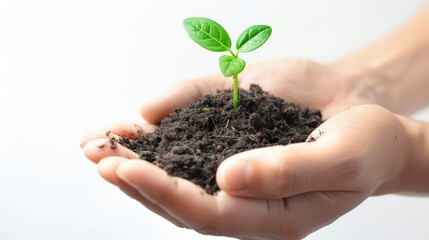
{"points": [[235, 104], [232, 53]]}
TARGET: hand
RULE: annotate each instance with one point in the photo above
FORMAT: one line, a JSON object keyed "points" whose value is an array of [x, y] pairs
{"points": [[283, 192], [306, 83]]}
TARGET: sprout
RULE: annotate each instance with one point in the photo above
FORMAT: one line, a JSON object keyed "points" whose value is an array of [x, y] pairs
{"points": [[212, 36]]}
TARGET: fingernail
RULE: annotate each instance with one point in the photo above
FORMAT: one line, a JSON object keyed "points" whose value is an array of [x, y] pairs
{"points": [[234, 175]]}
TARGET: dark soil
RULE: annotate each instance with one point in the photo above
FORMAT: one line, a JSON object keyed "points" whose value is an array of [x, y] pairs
{"points": [[194, 140]]}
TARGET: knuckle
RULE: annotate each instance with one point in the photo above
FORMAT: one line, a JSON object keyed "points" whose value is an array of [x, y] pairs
{"points": [[184, 84], [352, 170]]}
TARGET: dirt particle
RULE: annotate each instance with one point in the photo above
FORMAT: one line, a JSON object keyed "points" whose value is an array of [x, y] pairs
{"points": [[255, 121], [147, 155], [311, 139], [182, 149], [113, 143]]}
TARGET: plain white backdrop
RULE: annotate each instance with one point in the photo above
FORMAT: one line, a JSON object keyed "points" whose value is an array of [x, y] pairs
{"points": [[69, 67]]}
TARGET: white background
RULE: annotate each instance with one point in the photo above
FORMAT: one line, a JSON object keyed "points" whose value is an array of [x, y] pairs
{"points": [[68, 67]]}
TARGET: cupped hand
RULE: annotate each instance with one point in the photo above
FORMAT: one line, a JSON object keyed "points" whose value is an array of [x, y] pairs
{"points": [[282, 192], [304, 82], [309, 84], [297, 189]]}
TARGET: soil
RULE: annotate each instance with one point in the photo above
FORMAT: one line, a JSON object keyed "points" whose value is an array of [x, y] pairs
{"points": [[194, 140]]}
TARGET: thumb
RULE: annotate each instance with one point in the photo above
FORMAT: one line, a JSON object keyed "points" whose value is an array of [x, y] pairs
{"points": [[183, 94], [283, 171]]}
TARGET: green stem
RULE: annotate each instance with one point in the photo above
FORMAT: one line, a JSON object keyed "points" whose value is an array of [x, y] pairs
{"points": [[235, 105], [232, 53]]}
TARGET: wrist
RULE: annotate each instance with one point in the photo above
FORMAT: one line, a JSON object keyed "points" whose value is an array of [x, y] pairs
{"points": [[364, 84], [415, 174], [395, 68]]}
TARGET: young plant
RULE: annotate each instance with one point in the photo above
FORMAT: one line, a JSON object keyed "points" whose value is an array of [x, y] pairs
{"points": [[212, 36]]}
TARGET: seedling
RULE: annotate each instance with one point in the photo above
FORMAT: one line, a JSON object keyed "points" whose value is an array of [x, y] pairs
{"points": [[212, 36]]}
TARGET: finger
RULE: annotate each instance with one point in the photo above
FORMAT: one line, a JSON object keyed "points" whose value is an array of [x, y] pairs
{"points": [[107, 169], [131, 130], [178, 197], [97, 149], [224, 214], [283, 171], [305, 213], [128, 130], [182, 95], [93, 135]]}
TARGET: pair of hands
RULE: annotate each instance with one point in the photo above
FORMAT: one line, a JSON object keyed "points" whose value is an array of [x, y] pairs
{"points": [[282, 192]]}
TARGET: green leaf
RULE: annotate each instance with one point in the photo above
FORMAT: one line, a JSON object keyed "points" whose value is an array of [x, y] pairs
{"points": [[253, 37], [230, 65], [208, 34]]}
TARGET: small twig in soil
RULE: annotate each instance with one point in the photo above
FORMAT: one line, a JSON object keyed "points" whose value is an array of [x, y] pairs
{"points": [[253, 138], [219, 136], [227, 123], [213, 122]]}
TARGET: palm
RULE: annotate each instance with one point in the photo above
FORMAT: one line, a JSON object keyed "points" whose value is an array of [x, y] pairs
{"points": [[308, 84]]}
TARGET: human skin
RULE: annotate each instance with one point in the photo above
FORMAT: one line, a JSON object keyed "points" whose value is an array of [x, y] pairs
{"points": [[362, 151], [287, 192]]}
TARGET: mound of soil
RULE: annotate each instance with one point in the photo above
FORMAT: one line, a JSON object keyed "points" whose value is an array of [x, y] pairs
{"points": [[194, 140]]}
